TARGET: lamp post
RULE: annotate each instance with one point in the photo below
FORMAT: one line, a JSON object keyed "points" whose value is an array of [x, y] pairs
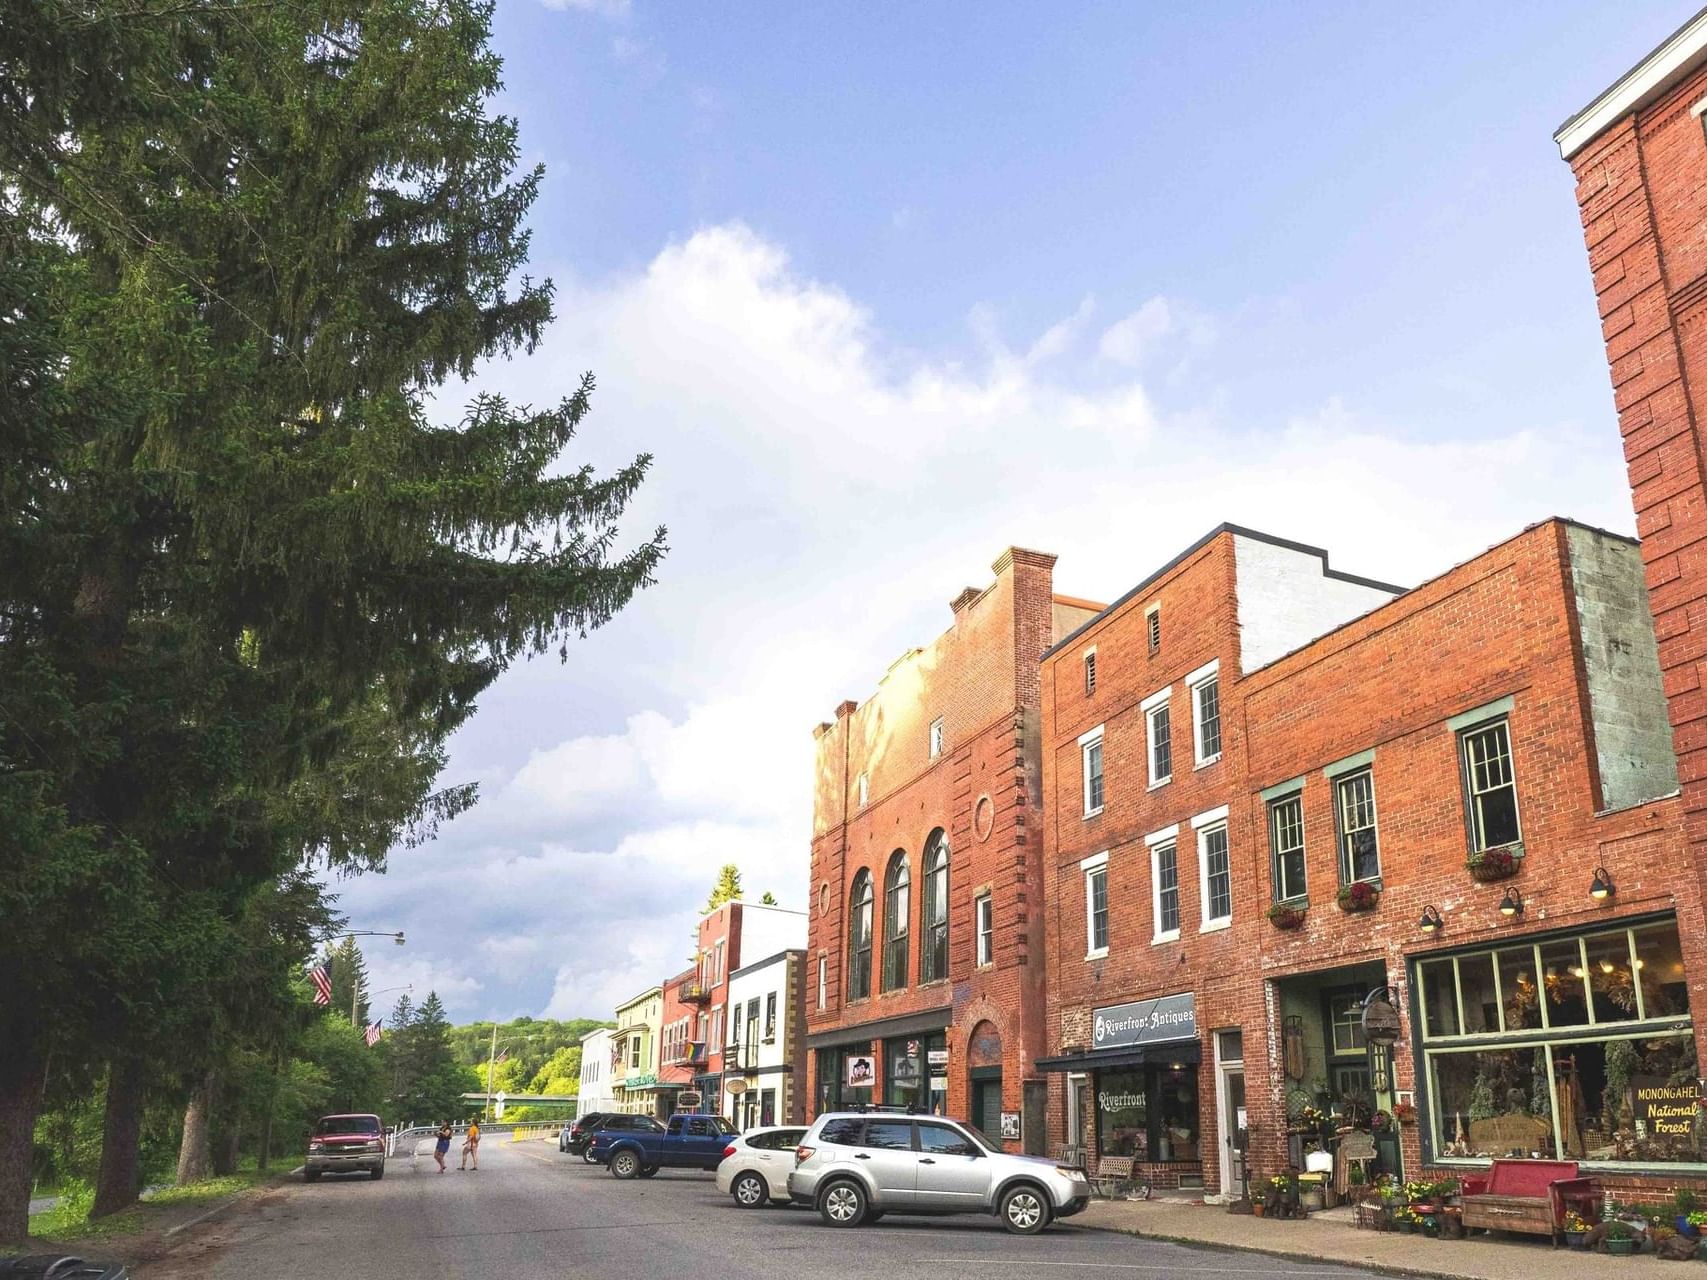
{"points": [[355, 989]]}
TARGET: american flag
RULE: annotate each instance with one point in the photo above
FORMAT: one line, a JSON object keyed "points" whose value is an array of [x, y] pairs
{"points": [[322, 984], [374, 1033]]}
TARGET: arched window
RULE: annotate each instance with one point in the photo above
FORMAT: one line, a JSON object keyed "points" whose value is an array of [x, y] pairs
{"points": [[933, 947], [859, 937], [895, 910]]}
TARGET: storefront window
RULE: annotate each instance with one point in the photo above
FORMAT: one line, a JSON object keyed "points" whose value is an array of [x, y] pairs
{"points": [[1149, 1113], [909, 1077], [1596, 1062], [834, 1092]]}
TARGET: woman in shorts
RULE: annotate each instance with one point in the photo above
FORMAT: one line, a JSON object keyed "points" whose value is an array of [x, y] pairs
{"points": [[441, 1148]]}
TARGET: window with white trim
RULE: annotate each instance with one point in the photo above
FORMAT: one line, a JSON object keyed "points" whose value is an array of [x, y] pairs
{"points": [[1490, 786], [936, 737], [1205, 685], [823, 981], [1096, 905], [1090, 758], [1164, 889], [1286, 846], [1090, 672], [1215, 874], [984, 917], [1360, 849], [1158, 743]]}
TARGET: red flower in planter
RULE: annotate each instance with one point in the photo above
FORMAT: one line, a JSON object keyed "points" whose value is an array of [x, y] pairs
{"points": [[1493, 864], [1359, 896], [1285, 915]]}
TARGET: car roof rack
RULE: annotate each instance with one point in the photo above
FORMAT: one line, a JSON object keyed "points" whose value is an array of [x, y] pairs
{"points": [[889, 1108]]}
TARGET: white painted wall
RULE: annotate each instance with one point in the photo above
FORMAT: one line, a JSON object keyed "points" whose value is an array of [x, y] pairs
{"points": [[596, 1093], [768, 930], [768, 977], [1286, 600]]}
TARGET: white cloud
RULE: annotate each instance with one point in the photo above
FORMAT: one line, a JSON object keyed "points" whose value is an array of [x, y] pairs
{"points": [[827, 492]]}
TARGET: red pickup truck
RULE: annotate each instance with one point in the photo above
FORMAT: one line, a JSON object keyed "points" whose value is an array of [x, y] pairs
{"points": [[346, 1144]]}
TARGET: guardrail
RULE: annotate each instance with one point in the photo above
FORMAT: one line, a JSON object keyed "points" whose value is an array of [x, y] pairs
{"points": [[534, 1132], [414, 1134]]}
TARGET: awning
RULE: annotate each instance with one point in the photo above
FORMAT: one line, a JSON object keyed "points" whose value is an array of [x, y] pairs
{"points": [[1165, 1054], [906, 1024]]}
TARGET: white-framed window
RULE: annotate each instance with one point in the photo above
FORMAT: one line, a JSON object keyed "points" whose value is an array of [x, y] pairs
{"points": [[823, 981], [864, 789], [1205, 686], [1096, 905], [984, 920], [1090, 671], [770, 1014], [1490, 786], [1090, 757], [936, 737], [1164, 882], [716, 1045], [1214, 868], [1286, 846], [1153, 628], [1360, 848], [1158, 736]]}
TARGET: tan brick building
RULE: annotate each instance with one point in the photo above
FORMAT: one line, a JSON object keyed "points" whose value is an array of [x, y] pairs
{"points": [[925, 956], [1265, 747]]}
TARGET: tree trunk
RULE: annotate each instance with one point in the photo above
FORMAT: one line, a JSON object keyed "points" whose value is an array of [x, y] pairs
{"points": [[21, 1075], [225, 1149], [120, 1177], [195, 1163]]}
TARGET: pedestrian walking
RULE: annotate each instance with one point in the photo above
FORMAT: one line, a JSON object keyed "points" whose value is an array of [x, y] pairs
{"points": [[471, 1147], [441, 1148]]}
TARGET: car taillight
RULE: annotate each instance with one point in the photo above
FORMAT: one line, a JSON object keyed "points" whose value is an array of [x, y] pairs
{"points": [[803, 1154], [729, 1150]]}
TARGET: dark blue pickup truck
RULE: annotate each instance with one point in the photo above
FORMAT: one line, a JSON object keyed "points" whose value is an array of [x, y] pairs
{"points": [[688, 1142]]}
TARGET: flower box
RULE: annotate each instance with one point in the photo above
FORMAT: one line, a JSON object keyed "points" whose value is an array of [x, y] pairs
{"points": [[1286, 915], [1359, 896], [1494, 864]]}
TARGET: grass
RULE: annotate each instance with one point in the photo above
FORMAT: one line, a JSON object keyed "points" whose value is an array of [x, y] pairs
{"points": [[69, 1219]]}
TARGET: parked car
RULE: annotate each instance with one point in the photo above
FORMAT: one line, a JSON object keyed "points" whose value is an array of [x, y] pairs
{"points": [[854, 1167], [346, 1144], [756, 1165], [689, 1141], [573, 1136], [581, 1143]]}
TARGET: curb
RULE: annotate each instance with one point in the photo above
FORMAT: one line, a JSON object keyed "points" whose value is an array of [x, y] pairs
{"points": [[1194, 1242], [223, 1205]]}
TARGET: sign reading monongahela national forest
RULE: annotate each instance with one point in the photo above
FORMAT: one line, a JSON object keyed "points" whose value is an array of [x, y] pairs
{"points": [[1141, 1022]]}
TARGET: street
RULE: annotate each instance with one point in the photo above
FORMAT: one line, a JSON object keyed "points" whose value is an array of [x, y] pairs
{"points": [[531, 1211]]}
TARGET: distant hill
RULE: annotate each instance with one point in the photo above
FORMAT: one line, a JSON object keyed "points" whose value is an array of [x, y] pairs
{"points": [[531, 1042]]}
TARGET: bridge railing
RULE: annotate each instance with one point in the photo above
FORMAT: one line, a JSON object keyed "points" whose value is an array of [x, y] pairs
{"points": [[408, 1138]]}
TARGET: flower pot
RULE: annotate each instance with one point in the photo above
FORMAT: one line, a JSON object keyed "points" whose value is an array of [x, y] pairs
{"points": [[1621, 1248], [1491, 869], [1257, 1207], [1287, 917], [1407, 1227], [1575, 1239], [1358, 898], [1686, 1228]]}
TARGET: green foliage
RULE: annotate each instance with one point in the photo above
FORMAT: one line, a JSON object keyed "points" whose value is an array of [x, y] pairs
{"points": [[727, 888], [769, 899], [531, 1042]]}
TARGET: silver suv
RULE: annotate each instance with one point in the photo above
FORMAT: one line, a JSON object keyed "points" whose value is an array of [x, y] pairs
{"points": [[854, 1167]]}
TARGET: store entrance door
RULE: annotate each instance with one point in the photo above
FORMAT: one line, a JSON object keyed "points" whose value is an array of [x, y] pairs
{"points": [[1232, 1120], [987, 1103]]}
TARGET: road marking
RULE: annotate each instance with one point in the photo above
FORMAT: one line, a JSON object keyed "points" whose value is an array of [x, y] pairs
{"points": [[1138, 1266], [550, 1231]]}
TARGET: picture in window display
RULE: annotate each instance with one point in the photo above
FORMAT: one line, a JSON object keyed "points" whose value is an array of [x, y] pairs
{"points": [[1619, 1085], [916, 1072]]}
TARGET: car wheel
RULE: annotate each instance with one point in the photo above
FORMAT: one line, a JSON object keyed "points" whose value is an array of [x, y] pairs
{"points": [[749, 1191], [311, 1175], [625, 1164], [376, 1174], [588, 1156], [650, 1171], [1024, 1211], [843, 1204]]}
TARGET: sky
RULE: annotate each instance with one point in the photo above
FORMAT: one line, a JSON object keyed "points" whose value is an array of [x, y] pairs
{"points": [[887, 288]]}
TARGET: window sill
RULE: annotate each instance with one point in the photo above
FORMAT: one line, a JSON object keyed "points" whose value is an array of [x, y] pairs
{"points": [[1171, 936], [1160, 782], [1093, 813], [1099, 954], [984, 964], [1204, 764], [1215, 926]]}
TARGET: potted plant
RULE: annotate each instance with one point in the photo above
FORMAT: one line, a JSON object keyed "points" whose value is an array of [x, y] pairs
{"points": [[1620, 1239], [1406, 1219], [1405, 1112], [1360, 895], [1695, 1220], [1493, 864], [1577, 1228], [1288, 915], [1686, 1205]]}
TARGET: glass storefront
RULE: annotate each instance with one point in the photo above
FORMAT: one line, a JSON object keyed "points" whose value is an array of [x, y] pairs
{"points": [[910, 1078], [1149, 1113], [834, 1065], [1578, 1047]]}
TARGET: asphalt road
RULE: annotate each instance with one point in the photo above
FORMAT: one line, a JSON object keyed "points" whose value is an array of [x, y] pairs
{"points": [[532, 1212]]}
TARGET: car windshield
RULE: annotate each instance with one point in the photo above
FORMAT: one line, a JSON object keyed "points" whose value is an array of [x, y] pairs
{"points": [[347, 1124]]}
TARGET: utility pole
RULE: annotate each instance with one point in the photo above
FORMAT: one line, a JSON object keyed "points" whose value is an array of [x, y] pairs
{"points": [[491, 1059]]}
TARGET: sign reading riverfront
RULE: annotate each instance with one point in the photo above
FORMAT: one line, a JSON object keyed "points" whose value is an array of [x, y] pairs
{"points": [[1141, 1022]]}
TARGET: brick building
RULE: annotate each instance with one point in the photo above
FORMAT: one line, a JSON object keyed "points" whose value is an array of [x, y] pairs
{"points": [[1248, 747], [926, 841], [679, 1055], [723, 935], [1639, 154]]}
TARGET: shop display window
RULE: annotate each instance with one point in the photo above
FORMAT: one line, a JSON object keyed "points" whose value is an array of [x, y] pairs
{"points": [[1149, 1113]]}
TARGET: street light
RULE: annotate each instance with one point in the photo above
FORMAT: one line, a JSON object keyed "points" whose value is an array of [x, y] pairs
{"points": [[355, 990]]}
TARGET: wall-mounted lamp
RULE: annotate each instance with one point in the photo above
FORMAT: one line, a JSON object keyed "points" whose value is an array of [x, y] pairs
{"points": [[1602, 887], [1511, 905], [1431, 921]]}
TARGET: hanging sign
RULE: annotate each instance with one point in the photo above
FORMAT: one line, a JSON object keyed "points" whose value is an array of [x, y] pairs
{"points": [[1380, 1019], [938, 1057]]}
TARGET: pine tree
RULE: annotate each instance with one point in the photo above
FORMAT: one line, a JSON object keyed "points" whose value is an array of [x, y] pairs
{"points": [[346, 966], [727, 888]]}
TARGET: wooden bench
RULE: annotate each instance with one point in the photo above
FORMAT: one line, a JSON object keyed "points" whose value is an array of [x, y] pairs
{"points": [[1113, 1174], [1529, 1195]]}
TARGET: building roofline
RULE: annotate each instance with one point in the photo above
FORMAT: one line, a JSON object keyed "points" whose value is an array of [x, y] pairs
{"points": [[1238, 530], [766, 962], [1670, 61]]}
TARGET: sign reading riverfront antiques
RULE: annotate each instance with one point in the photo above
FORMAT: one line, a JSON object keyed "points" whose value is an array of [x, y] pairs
{"points": [[1666, 1109], [1141, 1022]]}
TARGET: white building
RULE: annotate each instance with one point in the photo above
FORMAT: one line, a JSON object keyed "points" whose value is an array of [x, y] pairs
{"points": [[764, 1065], [596, 1091]]}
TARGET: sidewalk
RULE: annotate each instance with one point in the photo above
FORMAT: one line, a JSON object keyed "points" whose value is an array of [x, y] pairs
{"points": [[1332, 1238]]}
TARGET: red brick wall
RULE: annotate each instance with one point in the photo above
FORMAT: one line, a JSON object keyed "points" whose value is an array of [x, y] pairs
{"points": [[981, 678], [676, 1008]]}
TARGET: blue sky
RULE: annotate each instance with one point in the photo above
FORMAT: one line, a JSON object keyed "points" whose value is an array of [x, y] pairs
{"points": [[886, 288]]}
